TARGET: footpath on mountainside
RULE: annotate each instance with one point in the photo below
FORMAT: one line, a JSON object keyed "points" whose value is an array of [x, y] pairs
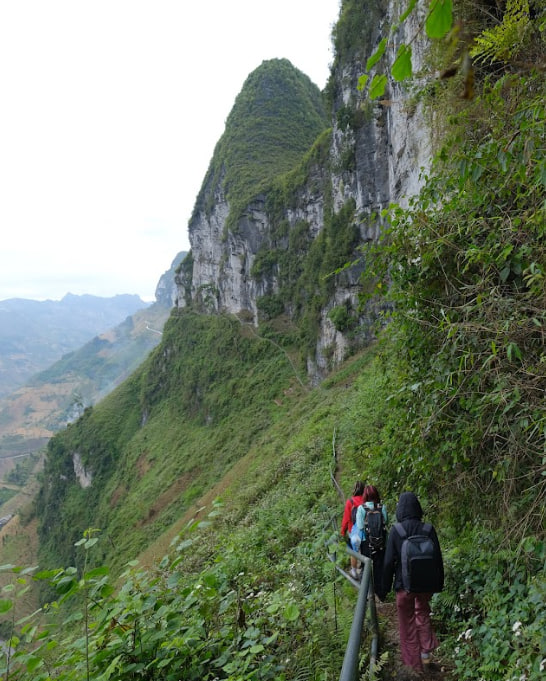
{"points": [[389, 665]]}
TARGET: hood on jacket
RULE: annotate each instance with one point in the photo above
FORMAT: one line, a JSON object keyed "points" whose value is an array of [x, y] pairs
{"points": [[408, 507]]}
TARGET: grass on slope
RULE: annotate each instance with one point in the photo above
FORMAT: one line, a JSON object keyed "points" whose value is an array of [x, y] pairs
{"points": [[164, 437]]}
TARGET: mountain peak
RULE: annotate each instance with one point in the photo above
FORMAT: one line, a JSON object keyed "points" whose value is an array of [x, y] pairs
{"points": [[275, 119]]}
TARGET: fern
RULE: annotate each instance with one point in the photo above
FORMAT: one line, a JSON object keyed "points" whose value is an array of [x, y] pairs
{"points": [[502, 42]]}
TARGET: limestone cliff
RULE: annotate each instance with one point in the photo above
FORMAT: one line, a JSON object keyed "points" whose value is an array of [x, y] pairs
{"points": [[287, 202], [166, 291]]}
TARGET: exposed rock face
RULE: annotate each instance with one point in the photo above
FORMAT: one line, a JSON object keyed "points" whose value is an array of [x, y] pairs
{"points": [[166, 292], [376, 154], [84, 477]]}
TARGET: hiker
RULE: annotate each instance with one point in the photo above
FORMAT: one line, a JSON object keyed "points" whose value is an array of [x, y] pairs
{"points": [[371, 523], [349, 516], [417, 638]]}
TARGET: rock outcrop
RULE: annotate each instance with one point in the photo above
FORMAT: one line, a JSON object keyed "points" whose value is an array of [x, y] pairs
{"points": [[166, 291]]}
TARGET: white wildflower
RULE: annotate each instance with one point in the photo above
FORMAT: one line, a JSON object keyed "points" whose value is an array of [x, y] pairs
{"points": [[465, 635], [516, 628], [542, 666]]}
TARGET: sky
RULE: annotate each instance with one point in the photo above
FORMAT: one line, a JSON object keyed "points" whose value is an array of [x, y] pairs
{"points": [[109, 114]]}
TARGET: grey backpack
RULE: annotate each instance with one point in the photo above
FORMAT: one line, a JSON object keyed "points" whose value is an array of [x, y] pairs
{"points": [[420, 561]]}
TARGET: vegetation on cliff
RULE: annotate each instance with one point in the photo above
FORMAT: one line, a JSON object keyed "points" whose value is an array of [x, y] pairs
{"points": [[275, 119]]}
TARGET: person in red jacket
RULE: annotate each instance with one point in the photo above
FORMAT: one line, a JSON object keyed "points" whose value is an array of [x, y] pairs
{"points": [[347, 522]]}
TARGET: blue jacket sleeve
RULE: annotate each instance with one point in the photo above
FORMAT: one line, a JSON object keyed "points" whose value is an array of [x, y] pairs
{"points": [[360, 518]]}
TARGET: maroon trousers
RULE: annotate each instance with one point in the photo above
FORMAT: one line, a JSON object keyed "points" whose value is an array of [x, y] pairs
{"points": [[416, 634]]}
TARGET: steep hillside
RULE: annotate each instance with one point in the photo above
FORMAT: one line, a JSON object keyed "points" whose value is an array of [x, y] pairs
{"points": [[135, 462], [287, 241], [275, 119]]}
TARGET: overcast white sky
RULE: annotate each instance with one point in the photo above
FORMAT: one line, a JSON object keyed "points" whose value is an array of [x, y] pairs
{"points": [[109, 113]]}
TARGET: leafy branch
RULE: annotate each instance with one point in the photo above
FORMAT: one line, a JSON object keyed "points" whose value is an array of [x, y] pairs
{"points": [[437, 24]]}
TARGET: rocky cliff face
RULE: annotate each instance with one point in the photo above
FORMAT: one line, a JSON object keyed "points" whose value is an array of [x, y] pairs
{"points": [[372, 158], [166, 292]]}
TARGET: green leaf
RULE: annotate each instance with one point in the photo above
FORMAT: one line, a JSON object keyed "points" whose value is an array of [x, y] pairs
{"points": [[291, 612], [47, 574], [376, 56], [401, 68], [33, 663], [504, 273], [97, 572], [410, 9], [439, 19], [5, 605], [378, 85], [362, 82], [271, 639]]}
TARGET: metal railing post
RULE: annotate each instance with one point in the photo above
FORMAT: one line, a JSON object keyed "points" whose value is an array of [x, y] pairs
{"points": [[366, 592], [349, 669]]}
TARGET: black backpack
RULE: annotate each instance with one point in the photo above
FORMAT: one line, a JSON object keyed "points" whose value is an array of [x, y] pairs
{"points": [[420, 561], [376, 533]]}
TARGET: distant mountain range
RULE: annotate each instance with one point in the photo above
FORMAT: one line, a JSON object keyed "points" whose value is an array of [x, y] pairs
{"points": [[30, 415], [35, 334], [57, 358]]}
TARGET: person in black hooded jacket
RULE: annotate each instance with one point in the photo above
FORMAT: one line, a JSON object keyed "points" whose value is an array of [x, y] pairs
{"points": [[417, 638]]}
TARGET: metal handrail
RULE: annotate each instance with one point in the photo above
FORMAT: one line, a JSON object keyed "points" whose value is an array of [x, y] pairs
{"points": [[366, 592], [349, 670]]}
